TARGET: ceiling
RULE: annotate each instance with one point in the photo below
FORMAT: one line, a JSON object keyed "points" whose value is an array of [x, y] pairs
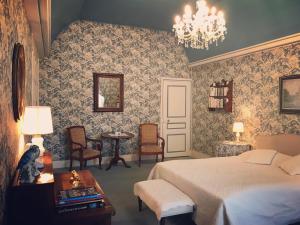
{"points": [[249, 22]]}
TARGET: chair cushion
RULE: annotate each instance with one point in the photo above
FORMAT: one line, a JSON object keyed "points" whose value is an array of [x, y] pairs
{"points": [[151, 148], [87, 153], [163, 198]]}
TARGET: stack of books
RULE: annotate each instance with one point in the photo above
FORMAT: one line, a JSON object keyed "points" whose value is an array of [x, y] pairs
{"points": [[78, 199]]}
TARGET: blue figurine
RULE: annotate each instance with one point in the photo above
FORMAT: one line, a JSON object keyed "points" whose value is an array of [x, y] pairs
{"points": [[27, 166]]}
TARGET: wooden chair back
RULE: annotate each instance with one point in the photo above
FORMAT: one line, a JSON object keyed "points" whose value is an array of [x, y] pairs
{"points": [[77, 134], [148, 133]]}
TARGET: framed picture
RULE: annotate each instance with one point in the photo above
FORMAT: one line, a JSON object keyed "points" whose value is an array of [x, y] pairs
{"points": [[18, 81], [289, 91]]}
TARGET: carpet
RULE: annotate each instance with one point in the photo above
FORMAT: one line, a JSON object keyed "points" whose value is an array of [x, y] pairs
{"points": [[117, 183]]}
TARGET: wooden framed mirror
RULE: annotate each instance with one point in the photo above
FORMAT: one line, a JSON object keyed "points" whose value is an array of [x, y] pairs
{"points": [[18, 81], [108, 92]]}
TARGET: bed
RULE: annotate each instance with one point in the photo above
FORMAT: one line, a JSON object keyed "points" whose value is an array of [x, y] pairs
{"points": [[228, 191]]}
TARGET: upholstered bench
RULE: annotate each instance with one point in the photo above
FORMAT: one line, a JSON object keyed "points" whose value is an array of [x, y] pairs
{"points": [[162, 198]]}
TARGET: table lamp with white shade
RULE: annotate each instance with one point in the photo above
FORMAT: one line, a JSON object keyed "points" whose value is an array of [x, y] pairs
{"points": [[37, 121], [238, 127]]}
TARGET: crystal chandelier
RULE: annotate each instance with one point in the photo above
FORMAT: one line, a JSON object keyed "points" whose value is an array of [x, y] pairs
{"points": [[198, 31]]}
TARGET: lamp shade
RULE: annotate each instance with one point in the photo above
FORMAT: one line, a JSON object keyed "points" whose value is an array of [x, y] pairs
{"points": [[238, 127], [37, 120]]}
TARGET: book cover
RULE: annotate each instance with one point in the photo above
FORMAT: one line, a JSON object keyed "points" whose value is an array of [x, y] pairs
{"points": [[78, 193], [77, 203], [79, 207]]}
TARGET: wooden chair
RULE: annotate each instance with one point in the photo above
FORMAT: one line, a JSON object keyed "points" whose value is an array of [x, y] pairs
{"points": [[79, 149], [149, 143]]}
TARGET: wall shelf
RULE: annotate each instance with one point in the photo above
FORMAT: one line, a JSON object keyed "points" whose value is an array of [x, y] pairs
{"points": [[220, 96]]}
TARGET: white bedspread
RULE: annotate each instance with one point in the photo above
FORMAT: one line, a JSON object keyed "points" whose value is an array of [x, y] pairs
{"points": [[228, 191]]}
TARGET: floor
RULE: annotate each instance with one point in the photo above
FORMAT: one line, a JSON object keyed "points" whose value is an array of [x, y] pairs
{"points": [[117, 184]]}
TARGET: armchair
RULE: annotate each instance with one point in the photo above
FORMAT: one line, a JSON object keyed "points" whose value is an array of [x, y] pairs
{"points": [[150, 143], [79, 149]]}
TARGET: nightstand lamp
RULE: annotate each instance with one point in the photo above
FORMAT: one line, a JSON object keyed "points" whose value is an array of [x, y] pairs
{"points": [[238, 127], [37, 121]]}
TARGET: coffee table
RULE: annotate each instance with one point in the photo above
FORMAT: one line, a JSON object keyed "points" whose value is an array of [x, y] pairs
{"points": [[97, 216], [117, 138]]}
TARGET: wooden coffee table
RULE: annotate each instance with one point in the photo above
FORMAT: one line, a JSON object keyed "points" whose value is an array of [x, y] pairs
{"points": [[97, 216], [117, 138]]}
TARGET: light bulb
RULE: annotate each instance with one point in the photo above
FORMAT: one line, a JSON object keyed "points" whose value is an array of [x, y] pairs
{"points": [[213, 10], [220, 14], [188, 10], [177, 19], [200, 4]]}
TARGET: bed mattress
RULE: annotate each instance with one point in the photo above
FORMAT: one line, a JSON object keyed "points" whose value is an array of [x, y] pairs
{"points": [[229, 191]]}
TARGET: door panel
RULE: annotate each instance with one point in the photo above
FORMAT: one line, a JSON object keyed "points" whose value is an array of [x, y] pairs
{"points": [[176, 143], [176, 125], [175, 95], [176, 116]]}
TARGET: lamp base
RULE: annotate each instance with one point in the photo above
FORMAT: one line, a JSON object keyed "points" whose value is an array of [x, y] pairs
{"points": [[237, 137], [38, 140]]}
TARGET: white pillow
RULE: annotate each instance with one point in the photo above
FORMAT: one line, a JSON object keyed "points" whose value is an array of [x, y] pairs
{"points": [[261, 156], [279, 158], [245, 155], [291, 166]]}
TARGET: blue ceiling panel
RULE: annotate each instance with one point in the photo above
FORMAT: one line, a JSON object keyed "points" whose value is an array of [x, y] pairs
{"points": [[64, 12], [249, 22]]}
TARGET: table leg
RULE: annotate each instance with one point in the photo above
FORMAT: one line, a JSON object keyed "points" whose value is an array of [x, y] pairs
{"points": [[112, 161], [125, 164], [117, 157]]}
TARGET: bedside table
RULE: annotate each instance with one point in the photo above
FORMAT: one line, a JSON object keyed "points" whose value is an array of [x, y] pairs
{"points": [[231, 148]]}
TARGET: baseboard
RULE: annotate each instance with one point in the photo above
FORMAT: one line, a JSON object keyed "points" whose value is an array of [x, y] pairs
{"points": [[129, 158], [105, 160]]}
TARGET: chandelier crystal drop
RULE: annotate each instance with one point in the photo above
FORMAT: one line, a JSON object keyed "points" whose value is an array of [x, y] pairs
{"points": [[204, 28]]}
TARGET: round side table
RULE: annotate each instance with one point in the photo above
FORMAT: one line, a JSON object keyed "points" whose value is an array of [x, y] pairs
{"points": [[231, 148], [117, 138]]}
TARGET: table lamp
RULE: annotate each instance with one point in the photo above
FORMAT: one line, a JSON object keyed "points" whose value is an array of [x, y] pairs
{"points": [[37, 121], [238, 127]]}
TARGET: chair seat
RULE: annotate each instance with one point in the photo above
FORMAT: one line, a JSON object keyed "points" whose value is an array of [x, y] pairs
{"points": [[87, 153], [151, 148]]}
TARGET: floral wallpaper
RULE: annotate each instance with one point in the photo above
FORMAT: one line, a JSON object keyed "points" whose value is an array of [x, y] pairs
{"points": [[13, 28], [255, 96], [66, 79]]}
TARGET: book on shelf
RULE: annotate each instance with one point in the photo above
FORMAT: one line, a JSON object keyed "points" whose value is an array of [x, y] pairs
{"points": [[215, 103]]}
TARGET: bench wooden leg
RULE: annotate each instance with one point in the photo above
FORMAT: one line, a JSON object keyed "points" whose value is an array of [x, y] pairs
{"points": [[140, 204], [140, 160], [162, 221]]}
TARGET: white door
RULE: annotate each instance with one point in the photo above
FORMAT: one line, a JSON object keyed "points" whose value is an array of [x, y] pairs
{"points": [[176, 116]]}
